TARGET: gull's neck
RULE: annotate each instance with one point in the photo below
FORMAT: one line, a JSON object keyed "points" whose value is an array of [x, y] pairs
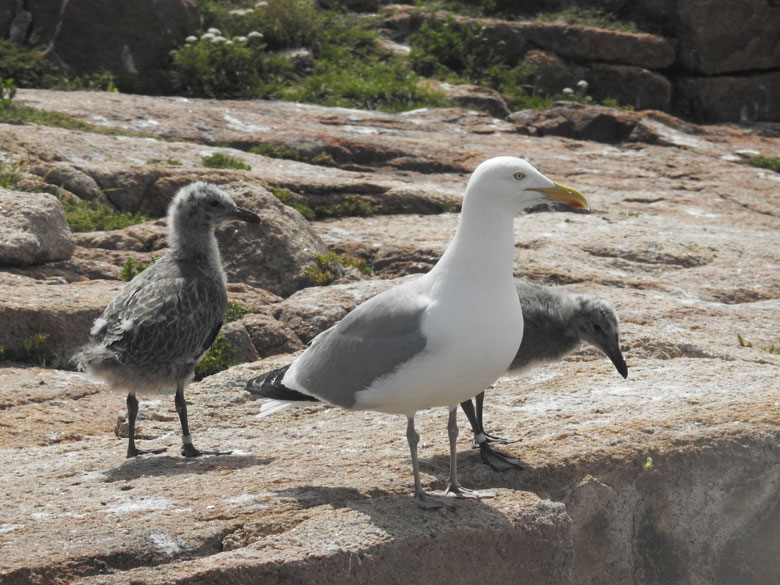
{"points": [[482, 251]]}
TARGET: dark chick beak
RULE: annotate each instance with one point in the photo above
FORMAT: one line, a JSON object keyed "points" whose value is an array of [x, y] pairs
{"points": [[620, 364], [245, 215]]}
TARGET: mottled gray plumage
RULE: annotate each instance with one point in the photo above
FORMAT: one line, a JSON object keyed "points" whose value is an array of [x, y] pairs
{"points": [[555, 323], [157, 329]]}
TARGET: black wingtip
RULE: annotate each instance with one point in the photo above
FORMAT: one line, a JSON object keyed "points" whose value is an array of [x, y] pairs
{"points": [[269, 385]]}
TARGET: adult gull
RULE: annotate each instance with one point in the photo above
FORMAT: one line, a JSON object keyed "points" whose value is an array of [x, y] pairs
{"points": [[437, 340], [159, 326], [555, 323]]}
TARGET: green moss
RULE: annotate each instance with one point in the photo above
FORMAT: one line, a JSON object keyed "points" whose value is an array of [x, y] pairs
{"points": [[219, 160], [288, 198], [773, 349], [594, 17], [766, 162], [283, 151], [173, 162], [462, 53], [16, 114], [234, 312], [133, 268], [349, 206], [9, 174], [220, 356], [34, 351], [324, 270], [89, 216]]}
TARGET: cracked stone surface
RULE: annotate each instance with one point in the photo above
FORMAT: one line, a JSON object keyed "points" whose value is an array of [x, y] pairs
{"points": [[670, 476]]}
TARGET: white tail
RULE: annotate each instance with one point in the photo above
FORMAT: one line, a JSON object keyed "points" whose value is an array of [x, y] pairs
{"points": [[271, 406]]}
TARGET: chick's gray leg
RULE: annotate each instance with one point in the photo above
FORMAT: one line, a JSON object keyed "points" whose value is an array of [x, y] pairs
{"points": [[187, 448], [132, 414], [479, 399], [497, 460]]}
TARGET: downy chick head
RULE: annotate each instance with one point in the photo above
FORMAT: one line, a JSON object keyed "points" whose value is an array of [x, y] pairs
{"points": [[202, 206], [597, 324]]}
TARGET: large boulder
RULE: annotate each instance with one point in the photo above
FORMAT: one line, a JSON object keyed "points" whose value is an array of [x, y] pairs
{"points": [[585, 43], [630, 86], [719, 36], [128, 38], [33, 229], [737, 98]]}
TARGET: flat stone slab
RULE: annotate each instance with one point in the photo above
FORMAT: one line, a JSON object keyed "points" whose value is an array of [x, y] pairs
{"points": [[321, 491]]}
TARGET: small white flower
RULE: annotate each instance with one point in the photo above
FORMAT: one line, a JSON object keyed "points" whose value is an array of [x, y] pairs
{"points": [[582, 85], [207, 37], [260, 4], [191, 39], [240, 39], [255, 35], [218, 40], [567, 91], [214, 31], [228, 42]]}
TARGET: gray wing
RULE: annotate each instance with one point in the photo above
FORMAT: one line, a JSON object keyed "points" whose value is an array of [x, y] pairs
{"points": [[171, 314], [370, 342]]}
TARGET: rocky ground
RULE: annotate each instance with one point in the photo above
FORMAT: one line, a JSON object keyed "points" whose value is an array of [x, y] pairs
{"points": [[670, 476]]}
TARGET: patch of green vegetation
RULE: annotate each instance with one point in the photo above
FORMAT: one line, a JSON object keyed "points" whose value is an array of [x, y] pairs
{"points": [[285, 152], [461, 52], [240, 56], [90, 216], [594, 17], [219, 357], [371, 84], [766, 162], [219, 160], [25, 66], [16, 114], [288, 198], [172, 162], [9, 174], [234, 312], [349, 206], [773, 349], [7, 93], [648, 464], [133, 268], [359, 264], [218, 68], [324, 270], [33, 350], [613, 103]]}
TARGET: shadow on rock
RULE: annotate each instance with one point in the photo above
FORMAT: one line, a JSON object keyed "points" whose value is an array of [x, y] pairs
{"points": [[311, 496], [166, 465]]}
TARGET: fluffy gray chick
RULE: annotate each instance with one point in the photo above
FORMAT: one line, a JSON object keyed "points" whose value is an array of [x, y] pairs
{"points": [[555, 323], [160, 325]]}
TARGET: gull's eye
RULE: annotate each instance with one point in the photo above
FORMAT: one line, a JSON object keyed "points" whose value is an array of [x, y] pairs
{"points": [[215, 204], [519, 176], [596, 327]]}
